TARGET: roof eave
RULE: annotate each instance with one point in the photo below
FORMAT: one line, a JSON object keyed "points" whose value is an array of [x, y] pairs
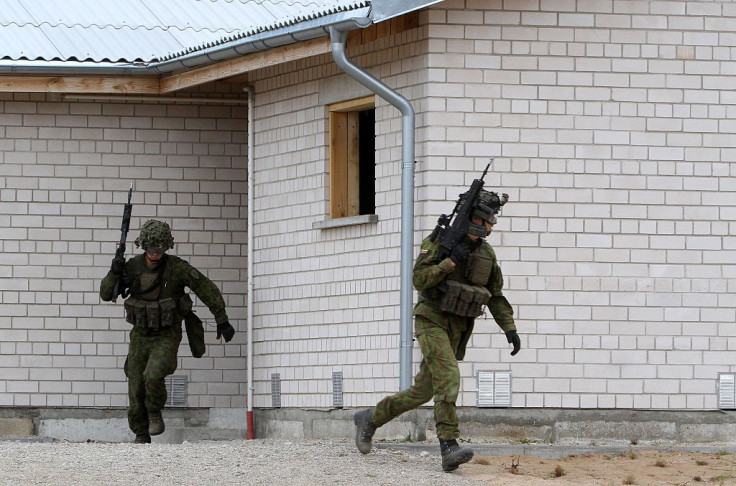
{"points": [[40, 67], [301, 32], [387, 9], [379, 10]]}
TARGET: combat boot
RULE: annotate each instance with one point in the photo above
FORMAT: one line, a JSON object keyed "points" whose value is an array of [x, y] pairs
{"points": [[142, 439], [453, 455], [156, 424], [364, 430]]}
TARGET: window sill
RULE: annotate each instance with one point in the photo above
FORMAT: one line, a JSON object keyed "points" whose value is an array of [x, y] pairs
{"points": [[349, 221]]}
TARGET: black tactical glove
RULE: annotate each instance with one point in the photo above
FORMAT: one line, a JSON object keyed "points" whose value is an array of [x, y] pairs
{"points": [[513, 338], [459, 253], [118, 265], [225, 330]]}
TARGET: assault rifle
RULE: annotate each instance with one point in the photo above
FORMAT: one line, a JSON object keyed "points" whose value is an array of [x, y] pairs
{"points": [[123, 283], [452, 231]]}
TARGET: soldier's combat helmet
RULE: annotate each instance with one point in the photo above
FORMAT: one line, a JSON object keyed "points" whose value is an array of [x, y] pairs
{"points": [[155, 234], [486, 206]]}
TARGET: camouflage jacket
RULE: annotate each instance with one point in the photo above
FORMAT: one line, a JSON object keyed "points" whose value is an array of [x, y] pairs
{"points": [[430, 271], [182, 275]]}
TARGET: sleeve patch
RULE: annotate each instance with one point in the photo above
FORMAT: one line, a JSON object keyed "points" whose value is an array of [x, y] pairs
{"points": [[194, 274]]}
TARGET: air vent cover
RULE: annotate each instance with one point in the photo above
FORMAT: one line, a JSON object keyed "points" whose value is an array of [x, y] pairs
{"points": [[176, 391], [337, 389], [494, 388], [276, 390], [726, 390]]}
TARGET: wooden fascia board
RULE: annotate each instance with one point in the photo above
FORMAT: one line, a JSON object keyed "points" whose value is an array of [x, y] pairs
{"points": [[80, 84], [244, 64], [156, 85]]}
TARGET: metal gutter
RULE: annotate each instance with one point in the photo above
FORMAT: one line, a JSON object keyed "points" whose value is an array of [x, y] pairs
{"points": [[305, 31], [339, 40]]}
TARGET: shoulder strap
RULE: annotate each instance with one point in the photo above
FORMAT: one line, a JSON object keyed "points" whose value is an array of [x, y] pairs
{"points": [[165, 279]]}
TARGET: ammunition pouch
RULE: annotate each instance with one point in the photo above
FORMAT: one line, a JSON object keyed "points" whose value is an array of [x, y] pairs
{"points": [[193, 326], [478, 268], [135, 312], [147, 314], [463, 300], [168, 312], [153, 315]]}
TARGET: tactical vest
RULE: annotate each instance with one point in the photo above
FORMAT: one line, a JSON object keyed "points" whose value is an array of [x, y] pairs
{"points": [[463, 291], [164, 312]]}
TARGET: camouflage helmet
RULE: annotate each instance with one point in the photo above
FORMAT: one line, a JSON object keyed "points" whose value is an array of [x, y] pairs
{"points": [[155, 234], [486, 206]]}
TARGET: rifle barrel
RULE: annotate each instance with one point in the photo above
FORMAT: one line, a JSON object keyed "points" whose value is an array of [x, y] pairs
{"points": [[486, 170]]}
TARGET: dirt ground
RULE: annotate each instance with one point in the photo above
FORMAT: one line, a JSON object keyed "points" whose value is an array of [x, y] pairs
{"points": [[637, 467]]}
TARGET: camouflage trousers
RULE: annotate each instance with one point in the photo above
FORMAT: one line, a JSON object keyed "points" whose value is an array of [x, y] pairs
{"points": [[438, 376], [151, 358]]}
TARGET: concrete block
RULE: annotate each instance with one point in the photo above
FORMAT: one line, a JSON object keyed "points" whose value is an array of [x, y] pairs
{"points": [[16, 427], [400, 430], [281, 429], [82, 430], [228, 418], [333, 428], [614, 431], [706, 433], [479, 431]]}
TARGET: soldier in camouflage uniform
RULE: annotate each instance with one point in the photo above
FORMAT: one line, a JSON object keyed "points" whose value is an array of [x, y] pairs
{"points": [[452, 292], [156, 307]]}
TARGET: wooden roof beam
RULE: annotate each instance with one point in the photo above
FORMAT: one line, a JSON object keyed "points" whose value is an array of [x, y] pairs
{"points": [[80, 84], [244, 64]]}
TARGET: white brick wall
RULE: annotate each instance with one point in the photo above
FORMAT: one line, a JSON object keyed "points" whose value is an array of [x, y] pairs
{"points": [[64, 172], [614, 117], [610, 124]]}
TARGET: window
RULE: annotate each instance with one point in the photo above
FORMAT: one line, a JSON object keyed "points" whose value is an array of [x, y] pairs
{"points": [[352, 158]]}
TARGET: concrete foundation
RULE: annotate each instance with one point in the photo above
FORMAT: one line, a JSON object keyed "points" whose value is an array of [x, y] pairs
{"points": [[506, 426], [520, 426], [111, 425]]}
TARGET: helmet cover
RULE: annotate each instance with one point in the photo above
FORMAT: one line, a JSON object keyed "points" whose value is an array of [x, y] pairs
{"points": [[155, 234]]}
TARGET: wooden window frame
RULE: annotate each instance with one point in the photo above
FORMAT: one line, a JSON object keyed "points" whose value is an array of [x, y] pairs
{"points": [[344, 156]]}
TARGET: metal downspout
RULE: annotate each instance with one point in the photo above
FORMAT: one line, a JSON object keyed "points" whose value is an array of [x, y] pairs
{"points": [[339, 40], [251, 285]]}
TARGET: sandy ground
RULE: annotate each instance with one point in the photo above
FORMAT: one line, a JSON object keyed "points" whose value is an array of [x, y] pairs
{"points": [[274, 462], [640, 467]]}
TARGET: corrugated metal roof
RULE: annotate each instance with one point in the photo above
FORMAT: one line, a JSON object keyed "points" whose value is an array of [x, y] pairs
{"points": [[143, 30], [269, 15]]}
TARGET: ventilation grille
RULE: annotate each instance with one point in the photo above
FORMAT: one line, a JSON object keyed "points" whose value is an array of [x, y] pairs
{"points": [[494, 388], [726, 390], [276, 390], [176, 391], [337, 389]]}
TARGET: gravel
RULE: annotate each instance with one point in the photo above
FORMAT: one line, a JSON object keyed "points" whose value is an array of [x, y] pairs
{"points": [[254, 462]]}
